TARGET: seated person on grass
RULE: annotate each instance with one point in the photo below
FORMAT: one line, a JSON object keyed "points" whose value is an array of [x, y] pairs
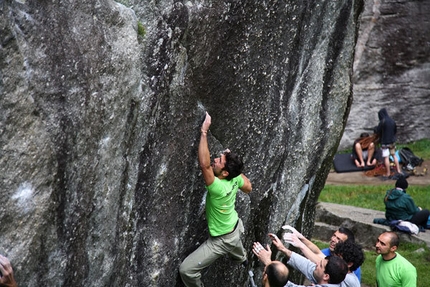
{"points": [[400, 206], [363, 150]]}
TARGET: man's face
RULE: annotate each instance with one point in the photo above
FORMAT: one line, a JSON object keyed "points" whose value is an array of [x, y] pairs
{"points": [[335, 238], [319, 272], [383, 246], [218, 165]]}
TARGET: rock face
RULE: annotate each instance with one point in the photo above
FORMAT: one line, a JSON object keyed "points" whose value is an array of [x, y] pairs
{"points": [[101, 105], [392, 70]]}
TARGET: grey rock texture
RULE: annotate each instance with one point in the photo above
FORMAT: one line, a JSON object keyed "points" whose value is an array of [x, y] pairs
{"points": [[100, 111], [392, 70]]}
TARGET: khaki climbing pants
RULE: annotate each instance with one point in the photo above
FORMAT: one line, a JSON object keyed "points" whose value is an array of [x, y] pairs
{"points": [[212, 249]]}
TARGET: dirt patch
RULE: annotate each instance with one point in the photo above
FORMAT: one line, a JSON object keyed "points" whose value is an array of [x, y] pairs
{"points": [[360, 178]]}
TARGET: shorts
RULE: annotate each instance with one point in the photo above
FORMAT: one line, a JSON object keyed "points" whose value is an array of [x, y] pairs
{"points": [[388, 149], [365, 154]]}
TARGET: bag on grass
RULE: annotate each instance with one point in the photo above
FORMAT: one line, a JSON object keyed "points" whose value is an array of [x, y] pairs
{"points": [[404, 226], [409, 159]]}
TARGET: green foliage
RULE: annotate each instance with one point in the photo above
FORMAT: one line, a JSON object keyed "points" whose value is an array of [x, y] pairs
{"points": [[141, 29]]}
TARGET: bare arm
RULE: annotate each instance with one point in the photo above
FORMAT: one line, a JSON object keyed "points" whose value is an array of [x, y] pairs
{"points": [[203, 153], [309, 244], [279, 245], [263, 254], [247, 187], [292, 239], [312, 248]]}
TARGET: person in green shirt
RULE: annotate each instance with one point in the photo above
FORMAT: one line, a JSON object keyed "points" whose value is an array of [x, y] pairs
{"points": [[222, 179], [392, 269]]}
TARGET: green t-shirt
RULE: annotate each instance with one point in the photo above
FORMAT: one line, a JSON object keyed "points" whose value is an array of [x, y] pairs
{"points": [[220, 203], [397, 272]]}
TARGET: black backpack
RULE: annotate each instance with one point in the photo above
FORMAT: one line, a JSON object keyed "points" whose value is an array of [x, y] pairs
{"points": [[409, 159]]}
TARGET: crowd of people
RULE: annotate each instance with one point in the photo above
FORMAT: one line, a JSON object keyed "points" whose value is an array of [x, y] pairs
{"points": [[337, 265], [337, 269], [366, 148]]}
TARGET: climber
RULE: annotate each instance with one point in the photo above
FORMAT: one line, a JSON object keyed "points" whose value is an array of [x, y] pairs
{"points": [[222, 179]]}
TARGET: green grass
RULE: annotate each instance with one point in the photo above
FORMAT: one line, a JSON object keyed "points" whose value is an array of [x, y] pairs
{"points": [[420, 148], [370, 196]]}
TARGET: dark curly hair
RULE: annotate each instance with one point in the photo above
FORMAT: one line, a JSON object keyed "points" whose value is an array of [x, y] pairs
{"points": [[233, 165], [350, 252], [336, 268]]}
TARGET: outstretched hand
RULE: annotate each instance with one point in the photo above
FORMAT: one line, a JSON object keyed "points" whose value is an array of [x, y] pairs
{"points": [[263, 254], [293, 230], [276, 241], [292, 239], [206, 123], [7, 278]]}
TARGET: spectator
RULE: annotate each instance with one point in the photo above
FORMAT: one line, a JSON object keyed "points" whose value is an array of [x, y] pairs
{"points": [[348, 251], [330, 270], [7, 279], [222, 178], [353, 255], [386, 130], [275, 272], [275, 275], [340, 235], [400, 206], [392, 269], [363, 150]]}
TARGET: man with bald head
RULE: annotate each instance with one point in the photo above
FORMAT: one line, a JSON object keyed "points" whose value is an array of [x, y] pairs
{"points": [[275, 274], [392, 269]]}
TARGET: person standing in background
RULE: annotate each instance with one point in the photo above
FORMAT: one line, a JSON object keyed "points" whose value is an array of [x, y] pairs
{"points": [[386, 130]]}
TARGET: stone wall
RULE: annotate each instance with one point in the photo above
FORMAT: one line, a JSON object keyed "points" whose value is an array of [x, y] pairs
{"points": [[392, 70]]}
